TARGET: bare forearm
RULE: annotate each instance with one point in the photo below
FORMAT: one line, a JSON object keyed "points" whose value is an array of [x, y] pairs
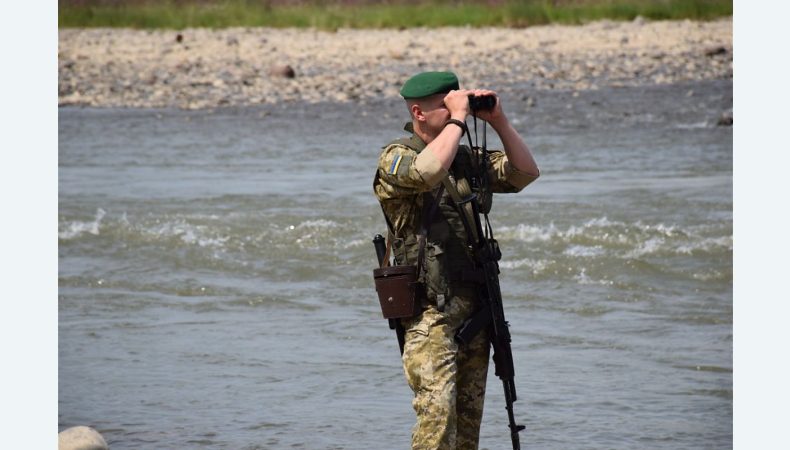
{"points": [[445, 145], [516, 149]]}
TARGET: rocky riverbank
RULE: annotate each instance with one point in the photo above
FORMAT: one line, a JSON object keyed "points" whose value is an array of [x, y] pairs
{"points": [[202, 68]]}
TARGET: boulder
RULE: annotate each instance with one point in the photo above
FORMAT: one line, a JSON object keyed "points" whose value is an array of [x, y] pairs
{"points": [[284, 71], [725, 120], [81, 438]]}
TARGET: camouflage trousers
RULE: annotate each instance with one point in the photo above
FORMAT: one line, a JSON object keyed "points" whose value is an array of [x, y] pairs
{"points": [[448, 379]]}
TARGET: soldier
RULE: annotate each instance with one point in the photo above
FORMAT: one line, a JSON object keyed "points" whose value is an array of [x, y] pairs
{"points": [[448, 379]]}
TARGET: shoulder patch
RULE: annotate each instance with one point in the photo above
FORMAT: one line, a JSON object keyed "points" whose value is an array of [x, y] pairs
{"points": [[400, 165]]}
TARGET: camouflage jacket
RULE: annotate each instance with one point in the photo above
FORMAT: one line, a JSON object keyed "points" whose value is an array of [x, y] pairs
{"points": [[404, 173]]}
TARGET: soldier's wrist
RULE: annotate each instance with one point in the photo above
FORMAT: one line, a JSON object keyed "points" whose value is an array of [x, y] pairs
{"points": [[458, 123], [499, 122]]}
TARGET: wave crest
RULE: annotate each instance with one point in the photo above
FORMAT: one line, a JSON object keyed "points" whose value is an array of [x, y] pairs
{"points": [[77, 228]]}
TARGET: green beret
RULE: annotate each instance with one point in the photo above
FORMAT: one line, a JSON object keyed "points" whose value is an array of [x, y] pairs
{"points": [[429, 83]]}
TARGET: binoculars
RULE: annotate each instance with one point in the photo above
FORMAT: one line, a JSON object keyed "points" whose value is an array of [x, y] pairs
{"points": [[482, 102]]}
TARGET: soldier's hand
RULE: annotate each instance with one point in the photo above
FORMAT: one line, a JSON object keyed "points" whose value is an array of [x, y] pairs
{"points": [[457, 103], [494, 114]]}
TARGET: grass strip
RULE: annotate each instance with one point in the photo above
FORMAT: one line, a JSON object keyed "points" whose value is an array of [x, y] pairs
{"points": [[331, 15]]}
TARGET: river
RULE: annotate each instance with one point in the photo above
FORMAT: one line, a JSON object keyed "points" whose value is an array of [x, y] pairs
{"points": [[215, 286]]}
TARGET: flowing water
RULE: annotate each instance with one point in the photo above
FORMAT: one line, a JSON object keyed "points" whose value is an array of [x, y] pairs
{"points": [[215, 285]]}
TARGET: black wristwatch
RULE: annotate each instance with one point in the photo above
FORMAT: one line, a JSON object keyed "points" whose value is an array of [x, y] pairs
{"points": [[461, 124]]}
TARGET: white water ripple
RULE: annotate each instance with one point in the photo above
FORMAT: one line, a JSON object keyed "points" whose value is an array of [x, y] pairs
{"points": [[601, 236], [77, 228]]}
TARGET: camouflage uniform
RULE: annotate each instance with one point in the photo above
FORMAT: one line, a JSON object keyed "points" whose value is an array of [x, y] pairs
{"points": [[448, 380]]}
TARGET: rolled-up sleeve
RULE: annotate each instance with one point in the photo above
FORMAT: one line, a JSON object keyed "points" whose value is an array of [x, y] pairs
{"points": [[504, 177], [430, 168], [404, 172]]}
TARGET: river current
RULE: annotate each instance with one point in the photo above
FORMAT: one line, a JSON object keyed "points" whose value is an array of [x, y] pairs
{"points": [[215, 286]]}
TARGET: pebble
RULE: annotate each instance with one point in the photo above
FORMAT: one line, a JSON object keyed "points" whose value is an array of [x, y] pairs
{"points": [[242, 66]]}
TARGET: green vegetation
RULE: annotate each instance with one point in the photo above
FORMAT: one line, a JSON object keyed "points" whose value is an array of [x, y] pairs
{"points": [[178, 14]]}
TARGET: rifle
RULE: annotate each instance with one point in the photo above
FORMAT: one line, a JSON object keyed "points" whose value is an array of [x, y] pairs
{"points": [[492, 316], [486, 255]]}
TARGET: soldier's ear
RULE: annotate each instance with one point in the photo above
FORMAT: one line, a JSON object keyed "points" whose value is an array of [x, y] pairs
{"points": [[416, 112]]}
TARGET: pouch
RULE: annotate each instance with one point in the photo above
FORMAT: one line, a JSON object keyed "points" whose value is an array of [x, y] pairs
{"points": [[398, 290]]}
